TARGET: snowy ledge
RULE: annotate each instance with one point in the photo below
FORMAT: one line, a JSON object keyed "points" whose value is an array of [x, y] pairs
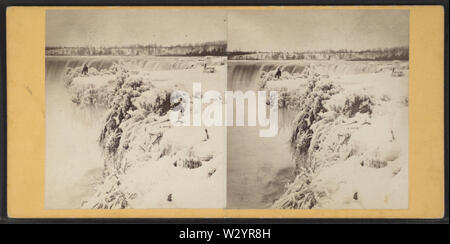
{"points": [[147, 161], [350, 142]]}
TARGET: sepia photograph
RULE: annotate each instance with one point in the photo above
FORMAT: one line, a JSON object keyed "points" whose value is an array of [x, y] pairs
{"points": [[235, 116], [235, 109], [342, 83], [110, 80]]}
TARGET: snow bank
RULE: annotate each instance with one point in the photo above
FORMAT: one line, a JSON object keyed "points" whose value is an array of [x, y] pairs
{"points": [[148, 163], [351, 148], [91, 89], [291, 88]]}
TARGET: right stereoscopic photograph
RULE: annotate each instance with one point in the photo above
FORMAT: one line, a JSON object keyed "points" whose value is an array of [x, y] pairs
{"points": [[325, 104]]}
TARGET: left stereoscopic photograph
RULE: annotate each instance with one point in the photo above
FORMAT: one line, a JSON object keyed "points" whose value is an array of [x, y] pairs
{"points": [[109, 79]]}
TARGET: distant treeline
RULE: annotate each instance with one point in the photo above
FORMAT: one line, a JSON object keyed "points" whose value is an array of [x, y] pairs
{"points": [[396, 53], [216, 48], [219, 48]]}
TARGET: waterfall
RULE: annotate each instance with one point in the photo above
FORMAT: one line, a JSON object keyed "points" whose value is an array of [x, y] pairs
{"points": [[56, 66], [245, 74]]}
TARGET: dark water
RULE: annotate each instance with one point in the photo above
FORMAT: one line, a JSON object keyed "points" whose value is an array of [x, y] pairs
{"points": [[258, 168]]}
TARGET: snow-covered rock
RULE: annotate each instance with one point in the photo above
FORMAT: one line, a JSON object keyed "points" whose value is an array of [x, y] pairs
{"points": [[147, 161], [351, 148]]}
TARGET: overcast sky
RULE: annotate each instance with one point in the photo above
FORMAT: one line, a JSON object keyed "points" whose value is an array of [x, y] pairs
{"points": [[291, 30], [248, 30], [125, 27]]}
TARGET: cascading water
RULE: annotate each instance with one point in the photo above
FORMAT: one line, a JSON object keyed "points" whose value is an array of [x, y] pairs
{"points": [[244, 74], [258, 168], [71, 140], [55, 65]]}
